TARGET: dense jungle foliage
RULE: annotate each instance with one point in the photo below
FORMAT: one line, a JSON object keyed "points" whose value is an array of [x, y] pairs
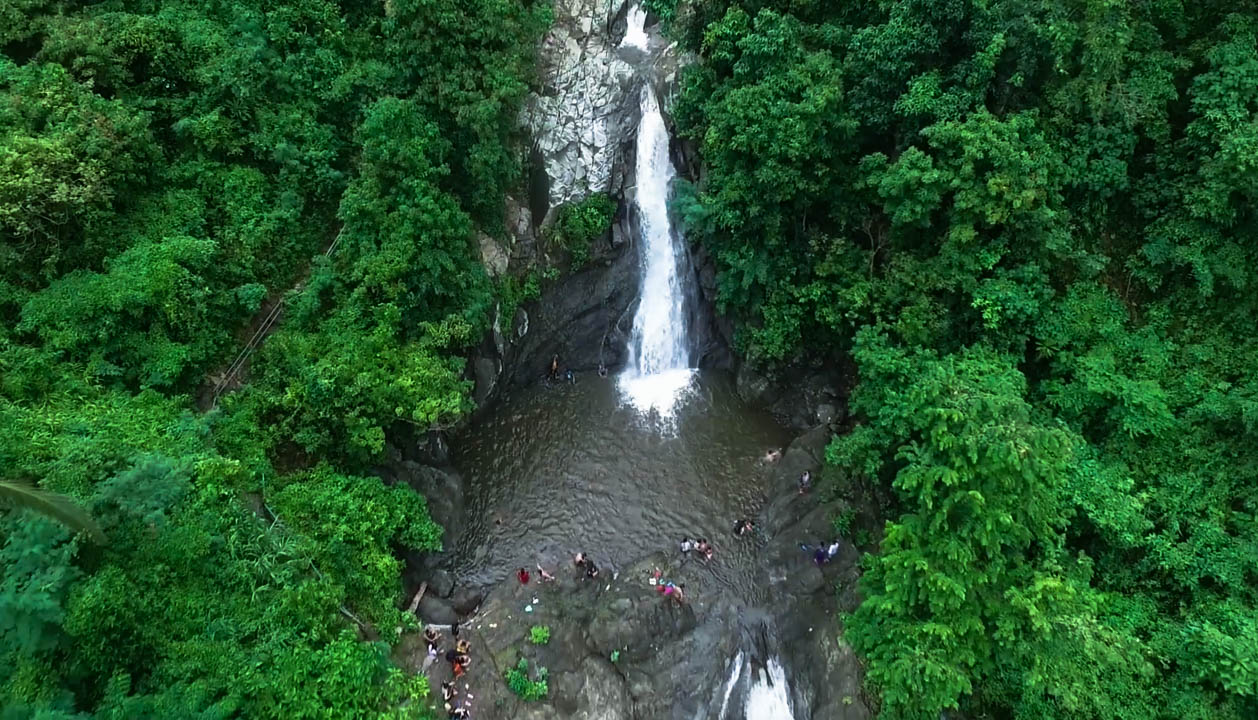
{"points": [[1030, 226], [167, 169]]}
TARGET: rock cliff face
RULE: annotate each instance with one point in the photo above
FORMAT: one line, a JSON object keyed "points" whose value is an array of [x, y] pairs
{"points": [[586, 114]]}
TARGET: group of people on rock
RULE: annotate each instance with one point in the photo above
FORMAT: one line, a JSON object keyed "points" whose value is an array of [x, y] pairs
{"points": [[701, 547], [554, 374], [823, 554], [583, 562], [668, 588], [586, 563], [523, 575], [704, 549], [459, 657], [805, 480]]}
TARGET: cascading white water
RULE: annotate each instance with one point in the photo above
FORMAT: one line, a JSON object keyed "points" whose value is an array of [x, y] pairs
{"points": [[635, 29], [735, 672], [659, 359], [768, 698]]}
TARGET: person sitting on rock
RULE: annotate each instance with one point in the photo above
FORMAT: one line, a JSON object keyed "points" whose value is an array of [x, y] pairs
{"points": [[432, 636], [448, 692], [579, 560], [805, 482], [571, 378], [687, 545], [460, 713], [554, 369], [744, 526], [462, 647], [591, 570], [523, 576], [773, 455], [602, 370], [673, 591], [461, 662], [820, 557]]}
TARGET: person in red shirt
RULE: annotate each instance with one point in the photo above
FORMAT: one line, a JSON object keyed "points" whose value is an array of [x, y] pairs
{"points": [[523, 576]]}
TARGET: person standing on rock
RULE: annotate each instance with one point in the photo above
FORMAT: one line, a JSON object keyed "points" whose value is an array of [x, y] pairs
{"points": [[805, 482], [430, 659], [523, 576], [554, 369], [832, 550], [686, 546], [743, 527]]}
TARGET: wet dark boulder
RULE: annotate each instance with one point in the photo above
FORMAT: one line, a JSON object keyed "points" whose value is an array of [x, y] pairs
{"points": [[465, 600], [433, 609], [441, 583], [753, 387], [637, 623]]}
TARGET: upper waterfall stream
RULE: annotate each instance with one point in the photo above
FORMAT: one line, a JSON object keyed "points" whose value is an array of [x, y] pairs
{"points": [[659, 349]]}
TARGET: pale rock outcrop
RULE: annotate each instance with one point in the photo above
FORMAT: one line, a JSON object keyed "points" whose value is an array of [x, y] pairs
{"points": [[588, 107]]}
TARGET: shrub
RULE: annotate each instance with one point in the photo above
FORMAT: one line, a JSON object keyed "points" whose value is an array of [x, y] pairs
{"points": [[539, 634], [520, 684], [580, 223], [843, 522]]}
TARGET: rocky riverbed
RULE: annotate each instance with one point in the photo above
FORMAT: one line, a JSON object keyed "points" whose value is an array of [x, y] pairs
{"points": [[618, 649]]}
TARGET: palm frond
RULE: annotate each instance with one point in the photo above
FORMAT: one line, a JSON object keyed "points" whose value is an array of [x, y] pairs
{"points": [[23, 494]]}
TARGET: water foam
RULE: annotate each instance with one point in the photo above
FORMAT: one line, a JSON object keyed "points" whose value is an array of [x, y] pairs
{"points": [[768, 698], [635, 32]]}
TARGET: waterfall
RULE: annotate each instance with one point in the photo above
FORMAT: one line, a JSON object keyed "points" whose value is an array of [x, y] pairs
{"points": [[768, 698], [659, 358], [635, 30], [766, 695], [735, 672]]}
